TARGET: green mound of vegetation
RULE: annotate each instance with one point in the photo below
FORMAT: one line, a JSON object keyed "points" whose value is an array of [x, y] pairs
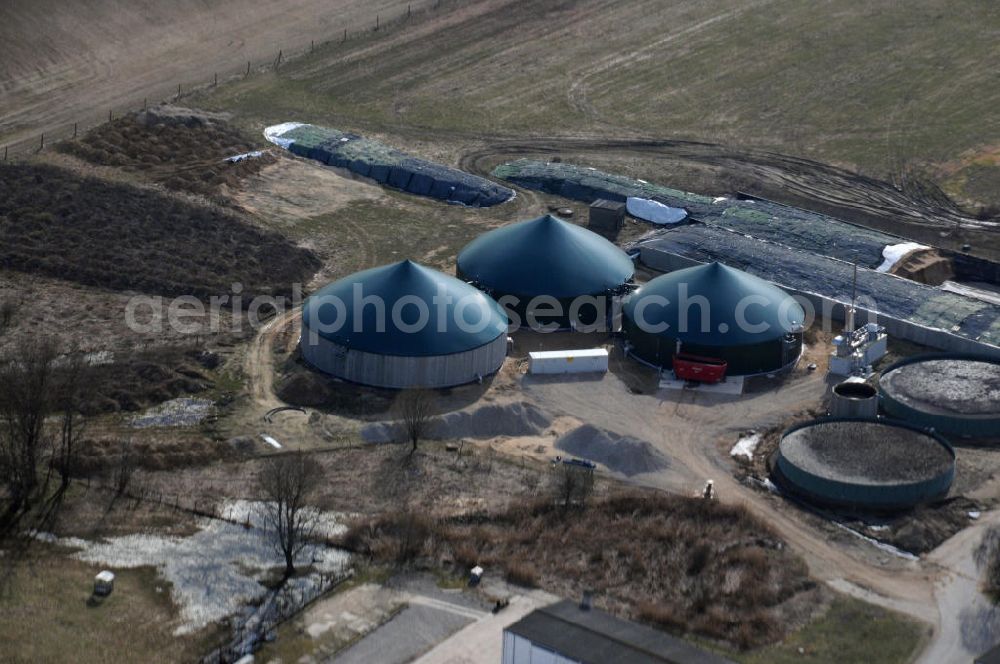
{"points": [[120, 237]]}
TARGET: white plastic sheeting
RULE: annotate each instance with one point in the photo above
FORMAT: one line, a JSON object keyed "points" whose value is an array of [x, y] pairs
{"points": [[893, 253], [236, 158], [274, 133], [653, 211]]}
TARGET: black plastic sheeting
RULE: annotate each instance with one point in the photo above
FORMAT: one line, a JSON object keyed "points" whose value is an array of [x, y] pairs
{"points": [[805, 271], [393, 168], [793, 227]]}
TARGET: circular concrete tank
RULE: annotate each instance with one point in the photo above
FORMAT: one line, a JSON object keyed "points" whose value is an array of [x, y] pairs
{"points": [[864, 464], [854, 399], [956, 394]]}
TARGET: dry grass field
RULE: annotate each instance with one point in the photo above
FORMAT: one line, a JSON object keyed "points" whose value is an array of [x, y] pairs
{"points": [[56, 223], [48, 615], [683, 564], [877, 87], [71, 62]]}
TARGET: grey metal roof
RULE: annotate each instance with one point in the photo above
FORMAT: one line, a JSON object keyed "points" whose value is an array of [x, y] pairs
{"points": [[545, 256], [734, 297], [597, 637], [459, 317]]}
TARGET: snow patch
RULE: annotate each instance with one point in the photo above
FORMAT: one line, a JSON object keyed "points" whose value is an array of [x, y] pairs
{"points": [[893, 253], [274, 133], [174, 413], [216, 572], [745, 447]]}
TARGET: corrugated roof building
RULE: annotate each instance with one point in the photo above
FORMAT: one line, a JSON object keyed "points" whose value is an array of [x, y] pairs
{"points": [[565, 633]]}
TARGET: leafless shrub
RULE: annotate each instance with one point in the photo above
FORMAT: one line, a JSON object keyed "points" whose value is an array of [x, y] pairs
{"points": [[680, 563], [415, 410], [572, 484], [124, 468], [522, 573]]}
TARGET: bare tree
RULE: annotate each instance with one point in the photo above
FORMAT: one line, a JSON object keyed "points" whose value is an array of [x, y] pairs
{"points": [[74, 373], [572, 484], [415, 410], [286, 483], [124, 468], [26, 382]]}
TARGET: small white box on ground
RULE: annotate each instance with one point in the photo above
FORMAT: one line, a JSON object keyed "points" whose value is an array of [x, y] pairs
{"points": [[104, 583], [587, 360]]}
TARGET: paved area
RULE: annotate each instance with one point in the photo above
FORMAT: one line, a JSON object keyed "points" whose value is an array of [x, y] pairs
{"points": [[411, 632], [481, 642]]}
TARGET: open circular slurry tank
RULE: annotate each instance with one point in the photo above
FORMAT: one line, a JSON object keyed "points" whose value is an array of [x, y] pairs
{"points": [[864, 464], [954, 394]]}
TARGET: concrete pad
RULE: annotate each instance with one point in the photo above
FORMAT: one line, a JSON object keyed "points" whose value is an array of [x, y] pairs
{"points": [[731, 385]]}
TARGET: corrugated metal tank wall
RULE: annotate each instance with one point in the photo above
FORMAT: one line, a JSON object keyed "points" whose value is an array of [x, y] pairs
{"points": [[400, 372]]}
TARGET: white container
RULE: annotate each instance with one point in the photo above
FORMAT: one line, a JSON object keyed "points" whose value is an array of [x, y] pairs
{"points": [[104, 583], [588, 360]]}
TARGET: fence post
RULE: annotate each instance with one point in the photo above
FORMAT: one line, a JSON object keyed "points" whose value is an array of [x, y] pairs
{"points": [[248, 68], [5, 153], [41, 142], [345, 34], [216, 80], [74, 129], [110, 115], [279, 59], [144, 103], [312, 45]]}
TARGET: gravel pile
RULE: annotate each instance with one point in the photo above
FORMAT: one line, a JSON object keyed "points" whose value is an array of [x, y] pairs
{"points": [[518, 419], [622, 454], [866, 453]]}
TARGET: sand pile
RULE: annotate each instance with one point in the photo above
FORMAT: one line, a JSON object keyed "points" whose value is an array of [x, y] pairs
{"points": [[622, 454]]}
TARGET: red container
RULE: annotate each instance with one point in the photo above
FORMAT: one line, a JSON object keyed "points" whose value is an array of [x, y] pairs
{"points": [[698, 368]]}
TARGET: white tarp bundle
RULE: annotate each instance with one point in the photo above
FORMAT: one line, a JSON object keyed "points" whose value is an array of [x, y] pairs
{"points": [[653, 211], [893, 253], [275, 132]]}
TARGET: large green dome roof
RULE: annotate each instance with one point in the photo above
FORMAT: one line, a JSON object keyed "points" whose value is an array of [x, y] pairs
{"points": [[544, 256], [449, 302], [766, 313]]}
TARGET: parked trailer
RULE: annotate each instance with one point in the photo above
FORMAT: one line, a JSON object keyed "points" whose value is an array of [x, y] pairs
{"points": [[699, 369], [568, 361]]}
